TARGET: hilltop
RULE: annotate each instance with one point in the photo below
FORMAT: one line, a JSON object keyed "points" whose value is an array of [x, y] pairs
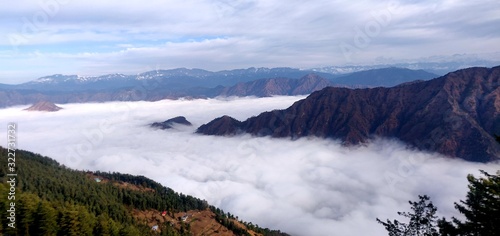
{"points": [[44, 106]]}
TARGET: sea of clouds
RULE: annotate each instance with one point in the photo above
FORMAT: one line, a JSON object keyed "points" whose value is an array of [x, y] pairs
{"points": [[308, 186]]}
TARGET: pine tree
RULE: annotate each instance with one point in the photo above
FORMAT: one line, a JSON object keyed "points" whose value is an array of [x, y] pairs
{"points": [[87, 221], [422, 220], [27, 208], [70, 225], [45, 220], [129, 231], [481, 209], [102, 227]]}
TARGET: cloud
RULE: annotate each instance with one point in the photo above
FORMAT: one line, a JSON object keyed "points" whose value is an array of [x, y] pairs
{"points": [[304, 187], [259, 33]]}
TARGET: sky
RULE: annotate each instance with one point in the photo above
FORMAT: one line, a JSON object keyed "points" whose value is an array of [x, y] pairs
{"points": [[88, 37], [304, 187]]}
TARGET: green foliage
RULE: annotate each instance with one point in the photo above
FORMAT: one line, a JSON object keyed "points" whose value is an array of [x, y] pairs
{"points": [[54, 200], [46, 219], [422, 221], [481, 208]]}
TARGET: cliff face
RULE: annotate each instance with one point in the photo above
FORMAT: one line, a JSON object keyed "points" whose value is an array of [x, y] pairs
{"points": [[456, 115]]}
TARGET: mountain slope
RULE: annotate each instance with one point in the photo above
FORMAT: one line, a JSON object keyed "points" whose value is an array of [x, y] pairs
{"points": [[384, 77], [51, 199], [455, 115], [277, 86]]}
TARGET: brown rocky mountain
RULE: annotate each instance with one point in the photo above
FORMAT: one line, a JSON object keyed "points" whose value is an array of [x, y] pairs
{"points": [[43, 106], [277, 86], [456, 115]]}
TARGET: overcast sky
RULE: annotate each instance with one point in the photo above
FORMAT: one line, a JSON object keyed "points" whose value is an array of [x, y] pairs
{"points": [[88, 37], [303, 187]]}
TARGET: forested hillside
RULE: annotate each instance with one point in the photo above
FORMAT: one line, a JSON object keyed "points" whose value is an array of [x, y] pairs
{"points": [[51, 199]]}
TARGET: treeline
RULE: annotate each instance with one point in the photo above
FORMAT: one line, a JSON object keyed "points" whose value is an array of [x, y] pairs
{"points": [[52, 199], [228, 220], [160, 197]]}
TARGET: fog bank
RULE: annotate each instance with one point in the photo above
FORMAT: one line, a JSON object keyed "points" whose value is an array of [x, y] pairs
{"points": [[304, 187]]}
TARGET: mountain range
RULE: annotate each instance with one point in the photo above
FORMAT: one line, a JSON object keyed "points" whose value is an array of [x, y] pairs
{"points": [[196, 83], [180, 78], [440, 65], [384, 77], [457, 115]]}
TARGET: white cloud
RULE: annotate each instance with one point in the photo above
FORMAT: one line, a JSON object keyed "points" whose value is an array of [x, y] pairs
{"points": [[303, 187], [262, 33]]}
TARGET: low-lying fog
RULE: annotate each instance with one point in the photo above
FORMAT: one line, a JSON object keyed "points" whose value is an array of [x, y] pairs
{"points": [[302, 187]]}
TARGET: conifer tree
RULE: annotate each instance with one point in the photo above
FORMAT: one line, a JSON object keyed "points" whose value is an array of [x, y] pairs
{"points": [[481, 209], [422, 221], [45, 220]]}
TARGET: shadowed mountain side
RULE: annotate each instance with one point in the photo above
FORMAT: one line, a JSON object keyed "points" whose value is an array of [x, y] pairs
{"points": [[168, 124], [224, 125], [455, 115]]}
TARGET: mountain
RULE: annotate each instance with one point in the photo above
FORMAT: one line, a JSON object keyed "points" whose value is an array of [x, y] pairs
{"points": [[177, 83], [385, 77], [51, 199], [73, 83], [180, 78], [168, 124], [44, 106], [456, 115], [277, 86]]}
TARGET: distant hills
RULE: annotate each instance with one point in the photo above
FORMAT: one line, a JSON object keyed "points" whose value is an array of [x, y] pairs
{"points": [[456, 115], [195, 83], [384, 77], [174, 79], [277, 86], [44, 106], [439, 65]]}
